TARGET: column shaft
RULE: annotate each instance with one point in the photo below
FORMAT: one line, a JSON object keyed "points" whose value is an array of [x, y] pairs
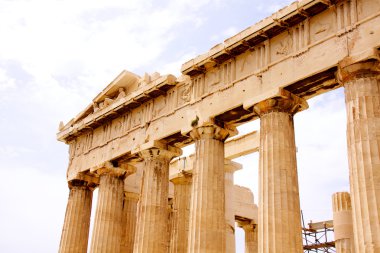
{"points": [[181, 214], [362, 92], [230, 168], [251, 245], [279, 221], [74, 238], [251, 241], [129, 220], [342, 214], [107, 233], [230, 215], [152, 224], [207, 210]]}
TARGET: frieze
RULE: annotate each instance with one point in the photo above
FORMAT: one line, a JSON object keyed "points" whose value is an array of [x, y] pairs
{"points": [[346, 15], [301, 36], [322, 26], [367, 9], [198, 86]]}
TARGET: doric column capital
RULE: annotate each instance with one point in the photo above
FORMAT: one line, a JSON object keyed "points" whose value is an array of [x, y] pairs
{"points": [[247, 225], [212, 131], [131, 195], [363, 65], [231, 166], [78, 183], [124, 170], [183, 177], [160, 153], [283, 102], [84, 180]]}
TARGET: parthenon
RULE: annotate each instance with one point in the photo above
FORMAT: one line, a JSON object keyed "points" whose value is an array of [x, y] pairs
{"points": [[128, 141]]}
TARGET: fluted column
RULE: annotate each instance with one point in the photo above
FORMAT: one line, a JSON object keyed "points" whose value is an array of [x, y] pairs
{"points": [[74, 238], [230, 168], [181, 212], [128, 221], [107, 233], [342, 214], [152, 223], [207, 211], [250, 231], [279, 221], [362, 93]]}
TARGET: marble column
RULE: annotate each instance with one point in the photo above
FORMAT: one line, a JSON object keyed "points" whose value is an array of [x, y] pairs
{"points": [[250, 231], [362, 93], [107, 232], [152, 222], [342, 215], [181, 212], [207, 211], [128, 221], [230, 167], [74, 238], [279, 204]]}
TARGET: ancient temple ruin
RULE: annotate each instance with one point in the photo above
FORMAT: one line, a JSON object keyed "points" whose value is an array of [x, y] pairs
{"points": [[128, 140]]}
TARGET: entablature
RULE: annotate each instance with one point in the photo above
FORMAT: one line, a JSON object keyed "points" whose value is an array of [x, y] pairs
{"points": [[256, 34], [303, 62]]}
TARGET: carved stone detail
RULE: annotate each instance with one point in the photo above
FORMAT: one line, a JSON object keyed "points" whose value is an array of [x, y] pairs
{"points": [[285, 46], [286, 102], [210, 131], [124, 170], [301, 36], [346, 15], [199, 86], [349, 72]]}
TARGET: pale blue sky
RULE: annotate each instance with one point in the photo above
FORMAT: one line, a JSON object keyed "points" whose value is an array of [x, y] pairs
{"points": [[55, 56]]}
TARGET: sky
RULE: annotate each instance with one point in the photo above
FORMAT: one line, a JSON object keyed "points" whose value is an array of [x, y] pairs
{"points": [[55, 56]]}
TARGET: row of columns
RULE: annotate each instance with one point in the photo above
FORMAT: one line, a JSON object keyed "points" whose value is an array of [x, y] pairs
{"points": [[279, 228]]}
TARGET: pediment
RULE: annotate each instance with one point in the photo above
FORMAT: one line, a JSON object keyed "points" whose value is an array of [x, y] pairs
{"points": [[126, 80], [126, 91]]}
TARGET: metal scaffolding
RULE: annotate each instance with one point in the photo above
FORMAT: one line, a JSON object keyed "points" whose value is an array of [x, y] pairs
{"points": [[318, 237]]}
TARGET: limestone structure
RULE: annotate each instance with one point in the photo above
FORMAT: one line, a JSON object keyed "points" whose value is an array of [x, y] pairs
{"points": [[342, 213], [125, 142]]}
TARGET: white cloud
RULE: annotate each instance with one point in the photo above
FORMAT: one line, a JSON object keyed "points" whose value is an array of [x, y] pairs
{"points": [[273, 6], [32, 208], [221, 36], [73, 49], [9, 151], [5, 81], [230, 31]]}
